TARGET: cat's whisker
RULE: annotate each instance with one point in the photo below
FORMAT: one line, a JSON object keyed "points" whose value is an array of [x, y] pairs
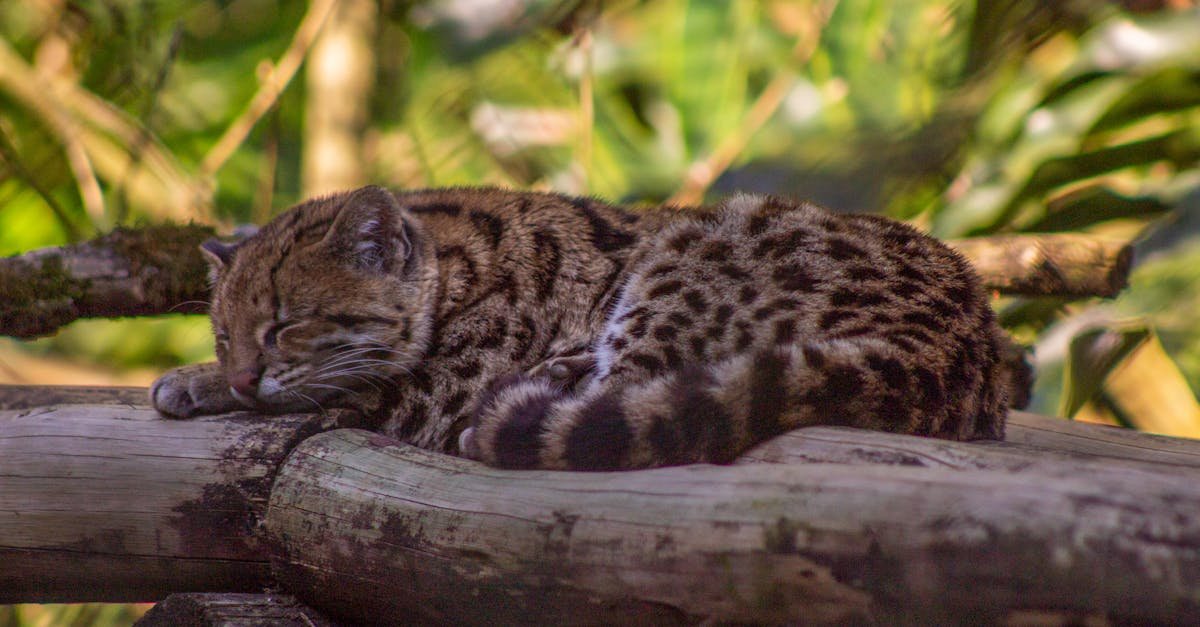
{"points": [[308, 398]]}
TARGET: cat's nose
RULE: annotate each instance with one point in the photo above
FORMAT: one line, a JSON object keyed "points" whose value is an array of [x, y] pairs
{"points": [[246, 382]]}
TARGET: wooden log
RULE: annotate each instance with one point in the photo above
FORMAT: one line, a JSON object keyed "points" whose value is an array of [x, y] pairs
{"points": [[33, 396], [367, 529], [113, 503], [225, 608], [125, 273], [1049, 264], [159, 270]]}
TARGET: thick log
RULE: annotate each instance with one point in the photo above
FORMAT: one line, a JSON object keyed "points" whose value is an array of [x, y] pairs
{"points": [[1049, 264], [367, 529], [128, 272], [224, 609], [108, 502], [159, 270], [113, 503]]}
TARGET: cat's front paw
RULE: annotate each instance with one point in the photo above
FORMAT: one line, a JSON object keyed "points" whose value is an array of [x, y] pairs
{"points": [[568, 372], [509, 423], [192, 391]]}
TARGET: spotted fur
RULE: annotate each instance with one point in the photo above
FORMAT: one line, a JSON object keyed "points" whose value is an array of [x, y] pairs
{"points": [[538, 330]]}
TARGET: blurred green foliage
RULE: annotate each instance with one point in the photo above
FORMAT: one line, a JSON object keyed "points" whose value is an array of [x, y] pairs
{"points": [[967, 118]]}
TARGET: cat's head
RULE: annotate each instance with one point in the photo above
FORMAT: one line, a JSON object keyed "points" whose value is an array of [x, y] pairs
{"points": [[333, 295]]}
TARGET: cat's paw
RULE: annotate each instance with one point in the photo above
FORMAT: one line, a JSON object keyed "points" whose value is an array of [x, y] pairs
{"points": [[567, 372], [192, 391], [509, 423]]}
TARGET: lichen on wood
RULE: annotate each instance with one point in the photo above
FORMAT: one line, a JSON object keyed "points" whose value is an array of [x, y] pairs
{"points": [[127, 272]]}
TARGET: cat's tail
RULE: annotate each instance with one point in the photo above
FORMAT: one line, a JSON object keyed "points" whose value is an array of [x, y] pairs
{"points": [[713, 413]]}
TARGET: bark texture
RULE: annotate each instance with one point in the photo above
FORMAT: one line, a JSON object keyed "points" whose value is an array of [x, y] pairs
{"points": [[826, 525], [128, 272], [899, 530], [1049, 264], [225, 609], [113, 503]]}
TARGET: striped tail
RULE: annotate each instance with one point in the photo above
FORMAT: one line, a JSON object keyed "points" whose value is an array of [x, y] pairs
{"points": [[713, 413]]}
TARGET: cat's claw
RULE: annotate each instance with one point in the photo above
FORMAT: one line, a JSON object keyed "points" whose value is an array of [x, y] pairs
{"points": [[192, 391], [467, 446]]}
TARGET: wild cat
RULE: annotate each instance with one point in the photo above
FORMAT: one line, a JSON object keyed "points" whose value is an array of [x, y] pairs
{"points": [[536, 330]]}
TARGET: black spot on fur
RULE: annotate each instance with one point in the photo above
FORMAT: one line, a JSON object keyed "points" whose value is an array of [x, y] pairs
{"points": [[672, 356], [764, 312], [841, 250], [649, 363], [768, 395], [495, 335], [890, 370], [715, 332], [467, 370], [933, 394], [785, 331], [747, 294], [923, 319], [723, 313], [744, 339], [842, 297], [517, 442], [418, 416], [490, 225], [605, 236], [906, 289], [814, 357], [455, 403], [679, 319], [757, 224], [716, 251], [601, 437], [663, 437], [661, 269], [944, 308], [618, 343], [695, 300], [665, 332], [795, 279], [913, 273], [699, 345], [831, 318], [548, 254], [665, 288], [682, 241], [864, 273], [702, 417], [732, 271], [446, 208]]}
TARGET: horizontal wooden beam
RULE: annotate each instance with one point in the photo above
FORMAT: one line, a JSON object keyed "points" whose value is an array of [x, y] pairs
{"points": [[114, 503], [108, 502]]}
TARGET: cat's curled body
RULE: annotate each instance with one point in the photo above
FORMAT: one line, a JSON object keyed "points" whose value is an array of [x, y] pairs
{"points": [[538, 330]]}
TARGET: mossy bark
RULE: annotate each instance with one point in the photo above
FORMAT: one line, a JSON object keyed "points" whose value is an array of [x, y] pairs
{"points": [[128, 272]]}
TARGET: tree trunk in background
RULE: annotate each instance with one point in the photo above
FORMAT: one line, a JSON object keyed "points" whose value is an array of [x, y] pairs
{"points": [[339, 76]]}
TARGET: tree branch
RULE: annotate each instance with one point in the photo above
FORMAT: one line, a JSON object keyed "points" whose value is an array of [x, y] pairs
{"points": [[159, 270], [125, 273], [1053, 264]]}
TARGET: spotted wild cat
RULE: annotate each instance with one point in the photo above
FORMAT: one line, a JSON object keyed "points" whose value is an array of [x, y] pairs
{"points": [[539, 330]]}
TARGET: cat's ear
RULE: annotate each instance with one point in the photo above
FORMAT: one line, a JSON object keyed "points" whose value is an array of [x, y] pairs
{"points": [[219, 255], [369, 232]]}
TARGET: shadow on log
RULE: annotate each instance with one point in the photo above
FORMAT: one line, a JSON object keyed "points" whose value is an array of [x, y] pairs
{"points": [[823, 525]]}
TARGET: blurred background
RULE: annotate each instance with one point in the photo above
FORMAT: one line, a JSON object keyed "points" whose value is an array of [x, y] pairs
{"points": [[965, 118]]}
